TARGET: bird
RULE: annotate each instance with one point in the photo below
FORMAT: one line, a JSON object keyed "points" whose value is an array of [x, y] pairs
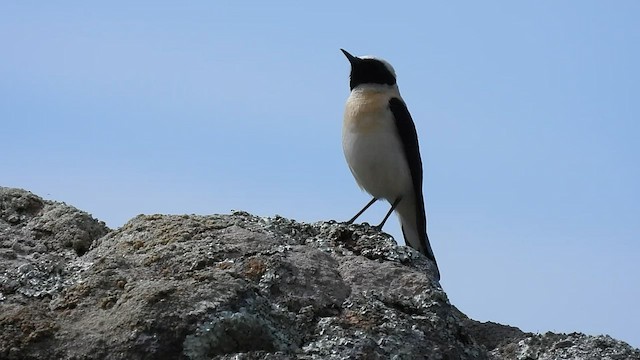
{"points": [[380, 145]]}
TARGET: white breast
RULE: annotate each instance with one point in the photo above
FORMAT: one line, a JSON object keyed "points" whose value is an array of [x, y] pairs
{"points": [[373, 148]]}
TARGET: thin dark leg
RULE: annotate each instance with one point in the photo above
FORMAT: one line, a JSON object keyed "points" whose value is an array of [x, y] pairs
{"points": [[361, 211], [393, 207]]}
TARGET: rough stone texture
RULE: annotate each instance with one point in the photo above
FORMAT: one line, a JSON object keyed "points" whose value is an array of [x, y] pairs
{"points": [[234, 287], [550, 346], [39, 244], [489, 334]]}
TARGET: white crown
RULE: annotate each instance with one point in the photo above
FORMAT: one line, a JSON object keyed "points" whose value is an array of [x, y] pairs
{"points": [[386, 64]]}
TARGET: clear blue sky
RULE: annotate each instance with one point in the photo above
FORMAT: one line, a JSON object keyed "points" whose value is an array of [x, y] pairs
{"points": [[528, 115]]}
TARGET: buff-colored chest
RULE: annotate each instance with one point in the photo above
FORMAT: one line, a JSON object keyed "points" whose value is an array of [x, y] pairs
{"points": [[366, 111], [372, 146]]}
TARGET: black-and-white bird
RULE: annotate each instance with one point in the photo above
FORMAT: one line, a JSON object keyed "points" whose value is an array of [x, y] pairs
{"points": [[381, 147]]}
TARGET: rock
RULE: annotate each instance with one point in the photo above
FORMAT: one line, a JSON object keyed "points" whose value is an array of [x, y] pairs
{"points": [[232, 287], [490, 334], [40, 242], [550, 346]]}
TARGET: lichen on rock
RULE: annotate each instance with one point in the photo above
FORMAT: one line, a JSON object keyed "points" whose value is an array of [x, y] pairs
{"points": [[233, 286]]}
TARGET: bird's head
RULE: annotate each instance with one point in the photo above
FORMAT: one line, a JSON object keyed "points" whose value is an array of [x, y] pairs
{"points": [[370, 70]]}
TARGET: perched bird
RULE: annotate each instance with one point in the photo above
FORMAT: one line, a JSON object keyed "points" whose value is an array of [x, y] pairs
{"points": [[381, 147]]}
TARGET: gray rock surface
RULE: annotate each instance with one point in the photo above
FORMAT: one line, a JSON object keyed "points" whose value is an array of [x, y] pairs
{"points": [[550, 346], [235, 287], [40, 244]]}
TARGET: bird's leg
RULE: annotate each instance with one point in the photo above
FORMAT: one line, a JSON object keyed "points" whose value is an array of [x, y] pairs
{"points": [[393, 207], [361, 211]]}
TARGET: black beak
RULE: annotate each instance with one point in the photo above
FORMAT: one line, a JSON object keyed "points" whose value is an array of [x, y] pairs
{"points": [[350, 57]]}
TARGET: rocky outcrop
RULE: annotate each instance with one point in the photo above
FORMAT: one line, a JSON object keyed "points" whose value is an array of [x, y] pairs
{"points": [[234, 287], [40, 244]]}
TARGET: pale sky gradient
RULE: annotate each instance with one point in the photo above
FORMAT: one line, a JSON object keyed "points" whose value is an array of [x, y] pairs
{"points": [[528, 115]]}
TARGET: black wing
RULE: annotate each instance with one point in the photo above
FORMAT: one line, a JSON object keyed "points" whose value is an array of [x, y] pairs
{"points": [[409, 138]]}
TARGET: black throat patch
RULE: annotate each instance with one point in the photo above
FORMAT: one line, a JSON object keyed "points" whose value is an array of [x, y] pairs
{"points": [[370, 71]]}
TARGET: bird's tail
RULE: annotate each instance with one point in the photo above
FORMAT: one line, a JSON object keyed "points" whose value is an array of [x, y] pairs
{"points": [[414, 227]]}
